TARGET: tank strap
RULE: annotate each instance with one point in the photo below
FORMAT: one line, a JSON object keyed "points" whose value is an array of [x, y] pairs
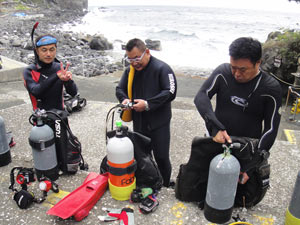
{"points": [[122, 171], [41, 145]]}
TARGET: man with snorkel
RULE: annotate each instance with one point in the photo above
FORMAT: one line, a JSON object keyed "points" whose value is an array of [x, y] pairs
{"points": [[46, 77]]}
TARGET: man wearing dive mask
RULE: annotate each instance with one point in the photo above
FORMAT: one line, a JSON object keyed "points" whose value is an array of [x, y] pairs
{"points": [[46, 78], [153, 88]]}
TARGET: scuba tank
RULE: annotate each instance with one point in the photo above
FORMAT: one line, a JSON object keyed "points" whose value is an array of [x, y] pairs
{"points": [[5, 157], [121, 163], [42, 142], [223, 178], [68, 147]]}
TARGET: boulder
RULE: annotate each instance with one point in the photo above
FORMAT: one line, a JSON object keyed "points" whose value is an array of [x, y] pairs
{"points": [[153, 44], [100, 43], [16, 43], [85, 38], [69, 4], [28, 45], [280, 56], [4, 41]]}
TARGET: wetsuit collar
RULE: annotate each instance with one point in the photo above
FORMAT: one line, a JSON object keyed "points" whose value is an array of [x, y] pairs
{"points": [[150, 59], [40, 64], [258, 76], [258, 73]]}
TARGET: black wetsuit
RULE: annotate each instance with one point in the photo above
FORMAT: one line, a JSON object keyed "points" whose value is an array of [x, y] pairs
{"points": [[249, 109], [156, 84], [43, 84]]}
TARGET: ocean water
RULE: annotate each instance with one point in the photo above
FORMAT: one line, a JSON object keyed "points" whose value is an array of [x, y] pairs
{"points": [[191, 37]]}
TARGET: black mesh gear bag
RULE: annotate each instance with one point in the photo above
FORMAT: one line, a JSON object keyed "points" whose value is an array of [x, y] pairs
{"points": [[191, 182]]}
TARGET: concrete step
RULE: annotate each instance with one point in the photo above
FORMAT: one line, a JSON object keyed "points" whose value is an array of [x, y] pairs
{"points": [[11, 70]]}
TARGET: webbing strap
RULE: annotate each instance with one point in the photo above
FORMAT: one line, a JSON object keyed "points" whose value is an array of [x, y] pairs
{"points": [[41, 145], [122, 171]]}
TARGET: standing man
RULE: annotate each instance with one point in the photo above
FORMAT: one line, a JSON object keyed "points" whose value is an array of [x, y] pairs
{"points": [[46, 78], [153, 88], [248, 100]]}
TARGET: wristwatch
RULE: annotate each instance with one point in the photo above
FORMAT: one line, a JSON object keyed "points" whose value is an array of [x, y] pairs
{"points": [[146, 106]]}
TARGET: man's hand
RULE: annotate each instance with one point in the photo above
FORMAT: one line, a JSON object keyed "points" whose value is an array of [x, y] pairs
{"points": [[64, 74], [139, 105], [125, 102], [222, 137]]}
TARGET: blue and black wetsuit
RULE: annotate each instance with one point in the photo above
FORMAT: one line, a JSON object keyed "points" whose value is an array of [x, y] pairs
{"points": [[43, 84], [249, 109], [156, 84]]}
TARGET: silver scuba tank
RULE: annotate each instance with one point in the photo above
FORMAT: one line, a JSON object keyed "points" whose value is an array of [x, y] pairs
{"points": [[223, 178], [5, 157], [42, 141]]}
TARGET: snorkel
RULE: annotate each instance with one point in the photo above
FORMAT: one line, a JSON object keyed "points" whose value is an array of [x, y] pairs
{"points": [[32, 41]]}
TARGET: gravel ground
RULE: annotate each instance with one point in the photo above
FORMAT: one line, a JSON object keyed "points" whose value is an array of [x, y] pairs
{"points": [[89, 125]]}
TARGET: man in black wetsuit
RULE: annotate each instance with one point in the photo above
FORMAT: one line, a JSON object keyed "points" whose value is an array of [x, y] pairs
{"points": [[46, 78], [153, 89], [248, 100]]}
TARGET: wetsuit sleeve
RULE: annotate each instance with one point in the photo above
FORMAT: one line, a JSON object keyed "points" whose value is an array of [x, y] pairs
{"points": [[70, 87], [168, 87], [121, 89], [37, 89], [202, 101], [271, 118]]}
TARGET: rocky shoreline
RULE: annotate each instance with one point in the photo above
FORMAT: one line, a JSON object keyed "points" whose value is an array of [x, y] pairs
{"points": [[86, 59], [89, 55]]}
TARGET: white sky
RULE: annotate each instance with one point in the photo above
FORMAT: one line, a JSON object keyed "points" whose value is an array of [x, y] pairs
{"points": [[277, 5]]}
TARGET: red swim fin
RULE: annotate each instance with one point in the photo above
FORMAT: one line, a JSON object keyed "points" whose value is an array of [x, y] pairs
{"points": [[80, 201]]}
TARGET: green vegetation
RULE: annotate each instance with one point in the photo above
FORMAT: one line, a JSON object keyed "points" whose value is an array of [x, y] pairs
{"points": [[32, 1], [16, 5], [287, 44], [292, 50], [21, 7]]}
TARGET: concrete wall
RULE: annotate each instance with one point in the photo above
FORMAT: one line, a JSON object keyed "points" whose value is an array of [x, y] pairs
{"points": [[11, 70]]}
